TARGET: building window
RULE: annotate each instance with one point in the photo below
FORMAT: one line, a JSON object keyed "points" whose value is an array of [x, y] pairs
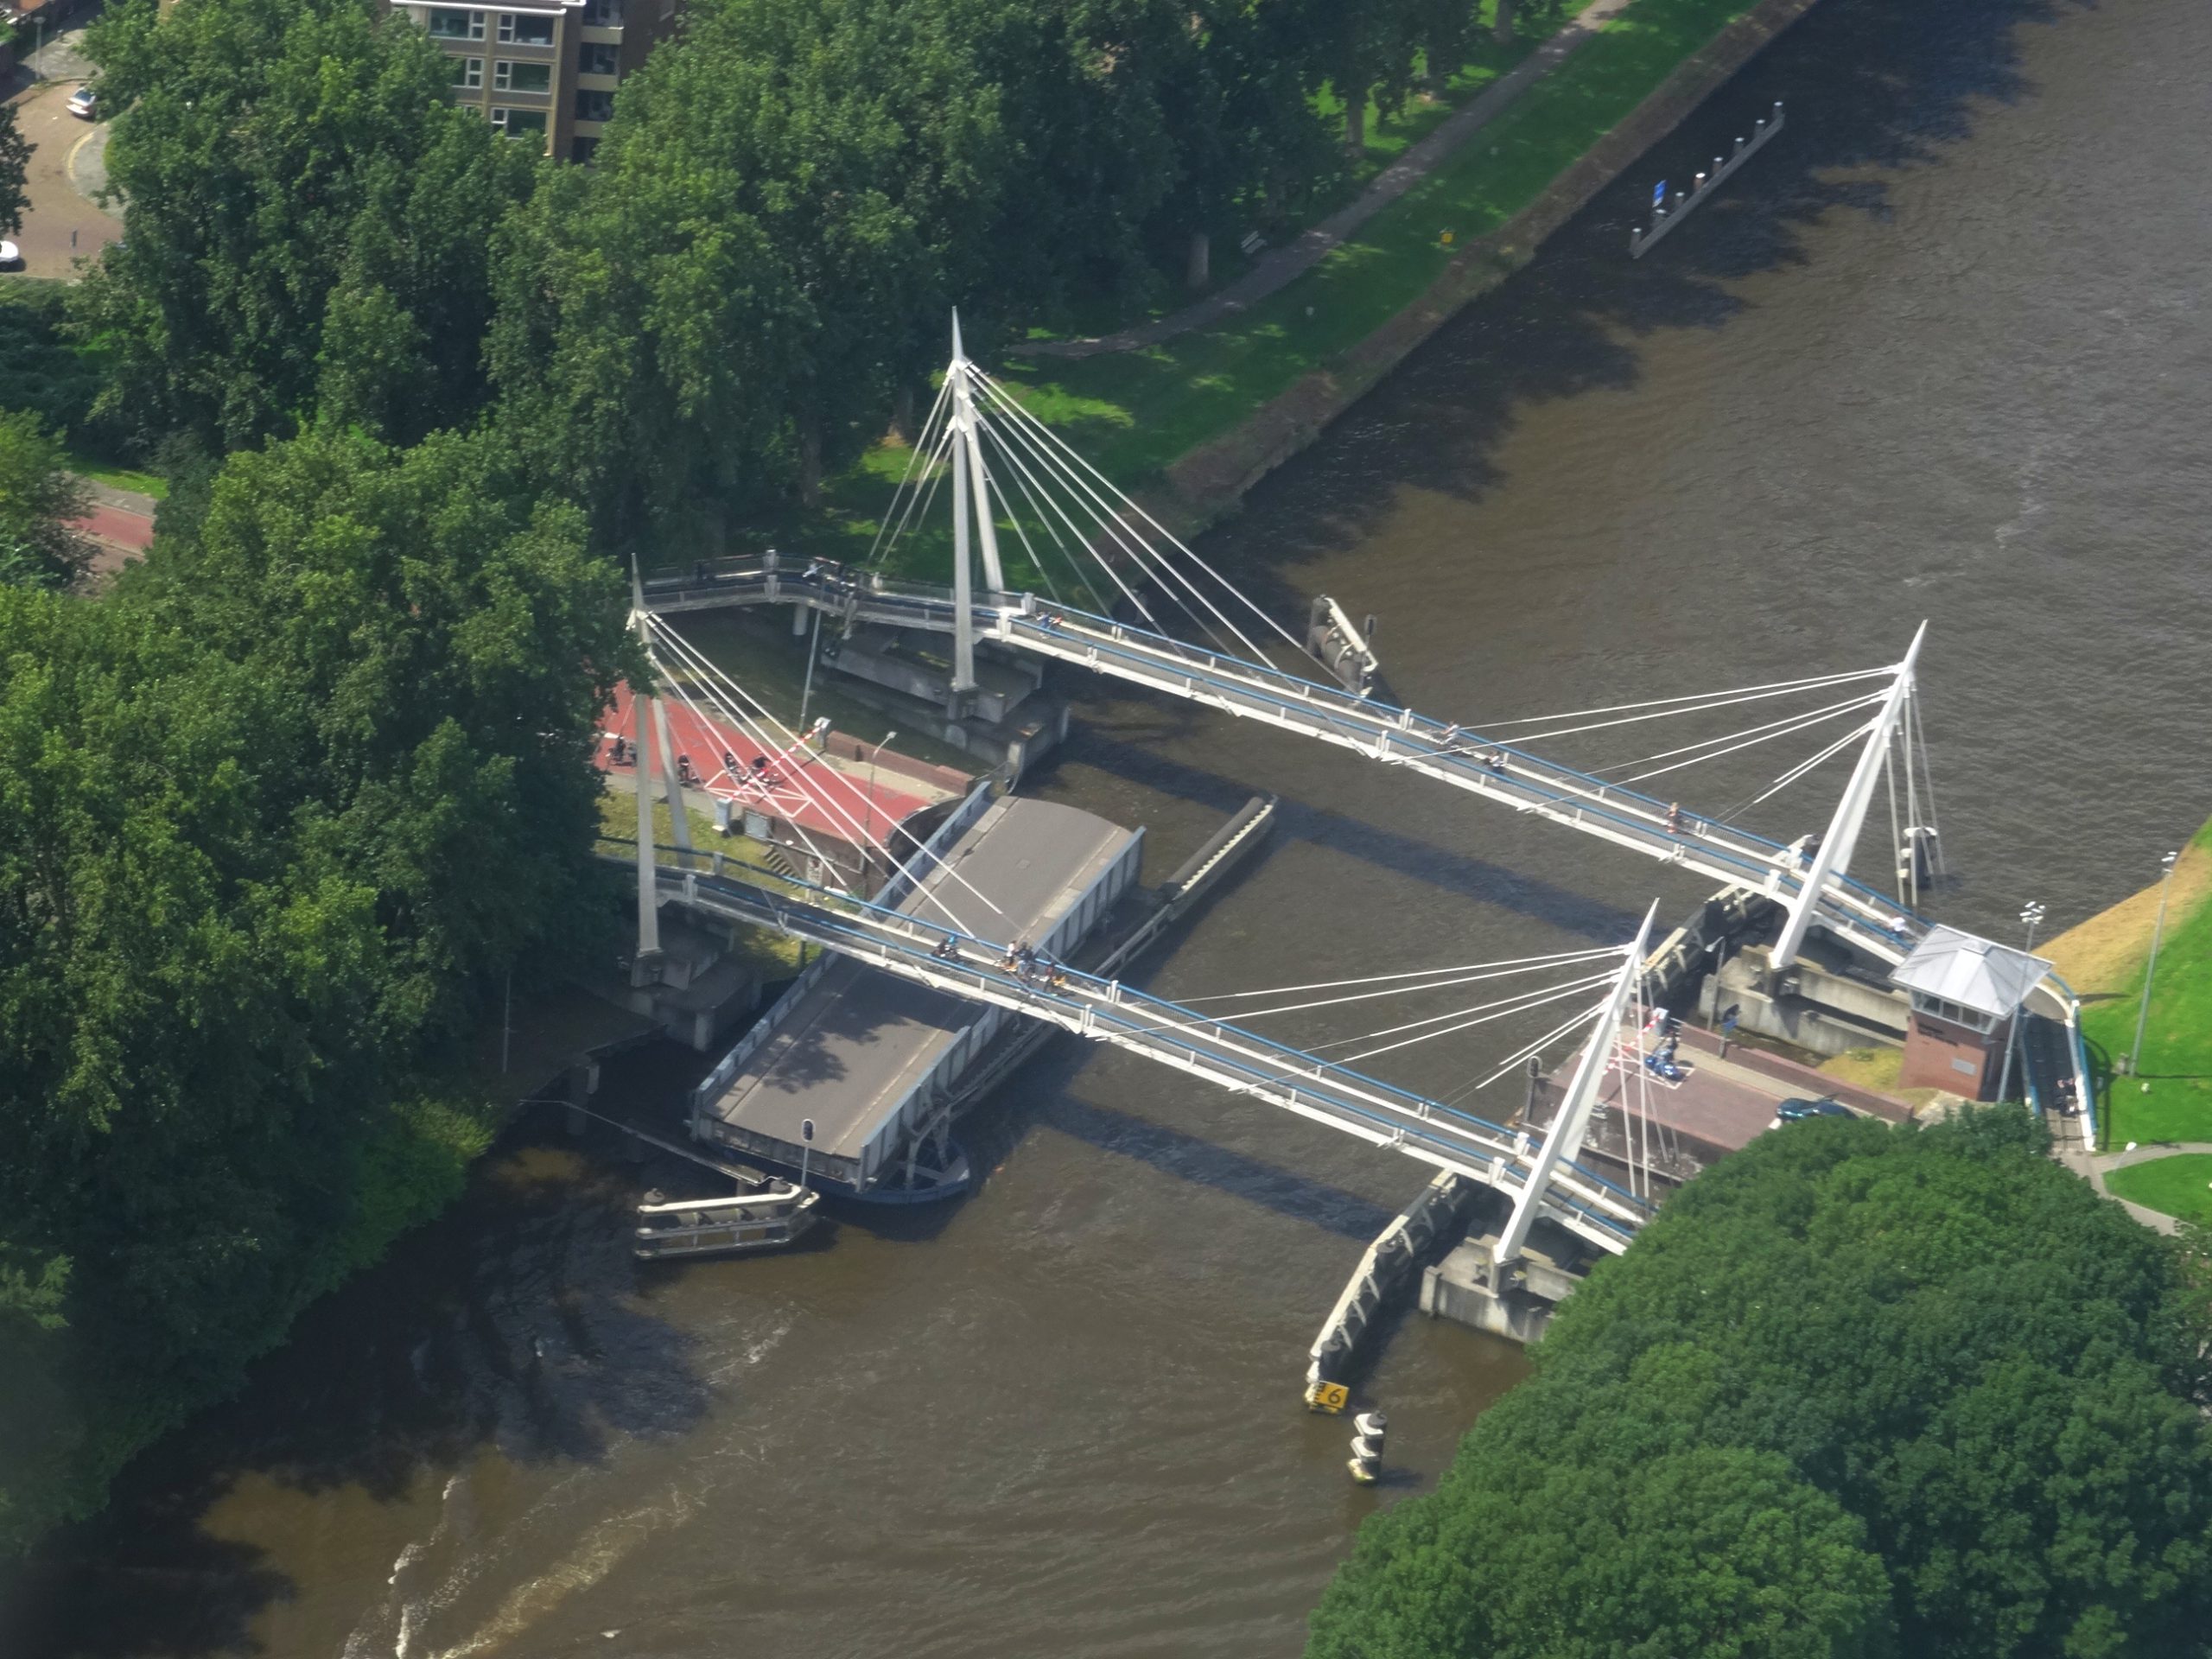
{"points": [[447, 25], [521, 77], [595, 105], [603, 14], [580, 148], [518, 30], [517, 124], [466, 71], [598, 58]]}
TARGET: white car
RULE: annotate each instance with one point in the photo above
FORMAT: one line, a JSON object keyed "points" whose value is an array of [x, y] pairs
{"points": [[84, 104], [10, 256]]}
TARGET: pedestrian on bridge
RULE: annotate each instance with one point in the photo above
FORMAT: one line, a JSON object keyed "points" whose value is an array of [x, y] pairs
{"points": [[1674, 818]]}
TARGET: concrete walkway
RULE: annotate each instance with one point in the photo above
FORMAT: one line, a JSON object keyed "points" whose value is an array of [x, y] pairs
{"points": [[1275, 269], [2093, 1166]]}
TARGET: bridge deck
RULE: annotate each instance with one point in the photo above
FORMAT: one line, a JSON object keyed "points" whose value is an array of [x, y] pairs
{"points": [[1274, 1074], [1394, 736], [858, 1051]]}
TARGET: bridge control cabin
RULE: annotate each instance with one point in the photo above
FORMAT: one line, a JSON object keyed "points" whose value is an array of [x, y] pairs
{"points": [[1967, 993], [871, 1059]]}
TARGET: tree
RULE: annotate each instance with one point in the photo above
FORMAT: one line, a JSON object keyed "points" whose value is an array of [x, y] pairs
{"points": [[14, 165], [1850, 1306], [307, 219], [40, 501], [279, 817]]}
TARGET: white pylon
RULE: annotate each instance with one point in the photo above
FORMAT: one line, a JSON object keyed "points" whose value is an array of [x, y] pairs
{"points": [[1834, 858], [971, 501], [641, 766], [1563, 1140]]}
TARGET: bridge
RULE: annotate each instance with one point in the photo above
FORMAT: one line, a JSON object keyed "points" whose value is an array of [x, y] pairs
{"points": [[1006, 469], [1538, 1173], [1494, 770]]}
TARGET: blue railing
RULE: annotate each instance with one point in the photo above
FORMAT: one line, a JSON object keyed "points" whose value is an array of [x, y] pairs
{"points": [[1112, 1003]]}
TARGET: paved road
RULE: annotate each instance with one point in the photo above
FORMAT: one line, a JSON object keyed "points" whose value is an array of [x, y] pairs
{"points": [[62, 226]]}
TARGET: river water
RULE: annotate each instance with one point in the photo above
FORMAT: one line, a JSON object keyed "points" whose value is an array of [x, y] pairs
{"points": [[1939, 352]]}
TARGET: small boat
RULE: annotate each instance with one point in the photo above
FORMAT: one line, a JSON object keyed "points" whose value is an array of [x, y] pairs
{"points": [[766, 1220]]}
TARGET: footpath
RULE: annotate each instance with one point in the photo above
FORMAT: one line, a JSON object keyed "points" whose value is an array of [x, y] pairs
{"points": [[1277, 269], [1208, 481]]}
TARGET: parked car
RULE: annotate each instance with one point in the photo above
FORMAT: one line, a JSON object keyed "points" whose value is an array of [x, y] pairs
{"points": [[1795, 1111], [84, 104], [10, 256]]}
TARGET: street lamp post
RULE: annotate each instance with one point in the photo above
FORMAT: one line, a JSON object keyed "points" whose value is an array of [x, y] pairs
{"points": [[2151, 968], [2028, 917], [868, 827]]}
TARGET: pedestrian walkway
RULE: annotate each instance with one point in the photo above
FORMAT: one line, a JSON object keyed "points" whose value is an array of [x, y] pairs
{"points": [[1275, 269]]}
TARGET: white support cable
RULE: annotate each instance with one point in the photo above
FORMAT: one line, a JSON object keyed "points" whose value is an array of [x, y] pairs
{"points": [[919, 501], [1774, 687], [814, 849], [1430, 980], [1173, 541], [984, 425], [1519, 1002], [928, 453], [1806, 765], [1723, 701], [1036, 563], [1116, 531], [1926, 774], [1792, 721], [1561, 959], [821, 798], [1112, 518], [1469, 1025], [1239, 1017], [913, 459], [1802, 725], [1528, 1051], [1059, 509], [1044, 520], [703, 664]]}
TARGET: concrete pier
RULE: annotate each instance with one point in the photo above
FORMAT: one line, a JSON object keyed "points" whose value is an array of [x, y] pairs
{"points": [[868, 1058]]}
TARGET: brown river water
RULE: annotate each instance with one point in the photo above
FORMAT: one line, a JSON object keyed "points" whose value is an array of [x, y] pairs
{"points": [[1939, 351]]}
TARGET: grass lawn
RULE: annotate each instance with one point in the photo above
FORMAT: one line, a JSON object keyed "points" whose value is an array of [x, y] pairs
{"points": [[1134, 413], [2177, 1059], [2180, 1185], [118, 478], [770, 955]]}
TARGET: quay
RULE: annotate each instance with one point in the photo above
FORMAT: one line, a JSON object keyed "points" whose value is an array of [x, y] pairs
{"points": [[873, 1060]]}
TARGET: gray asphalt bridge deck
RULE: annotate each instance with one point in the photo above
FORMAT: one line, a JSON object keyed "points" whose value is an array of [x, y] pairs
{"points": [[866, 1054]]}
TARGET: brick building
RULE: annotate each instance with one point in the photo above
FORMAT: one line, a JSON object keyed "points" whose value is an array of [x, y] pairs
{"points": [[547, 68]]}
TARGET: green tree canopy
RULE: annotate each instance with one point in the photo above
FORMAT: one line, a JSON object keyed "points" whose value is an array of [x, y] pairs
{"points": [[307, 220], [1940, 1335], [275, 819], [15, 164], [38, 501]]}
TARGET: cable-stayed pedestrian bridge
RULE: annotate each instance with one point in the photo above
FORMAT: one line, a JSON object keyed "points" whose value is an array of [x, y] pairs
{"points": [[1538, 1173], [1499, 770]]}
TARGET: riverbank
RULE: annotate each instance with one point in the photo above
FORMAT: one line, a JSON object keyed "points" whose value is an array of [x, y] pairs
{"points": [[1212, 413], [2168, 1098], [1191, 424]]}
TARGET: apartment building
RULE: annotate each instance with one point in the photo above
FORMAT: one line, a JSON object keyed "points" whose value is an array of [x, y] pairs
{"points": [[547, 70]]}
